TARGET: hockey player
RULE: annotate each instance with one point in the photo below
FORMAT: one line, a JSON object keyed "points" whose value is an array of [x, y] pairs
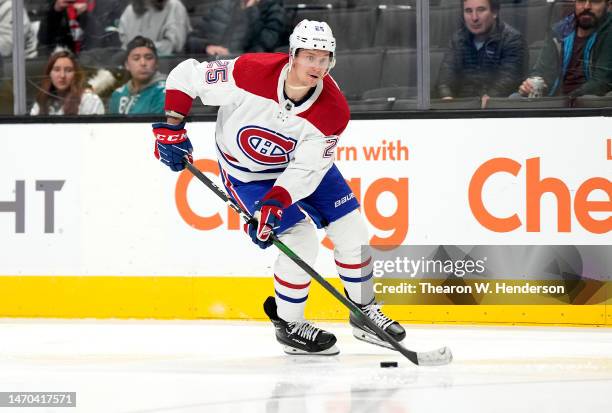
{"points": [[279, 122]]}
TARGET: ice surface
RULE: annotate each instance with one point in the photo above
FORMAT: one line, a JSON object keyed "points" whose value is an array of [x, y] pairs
{"points": [[218, 366]]}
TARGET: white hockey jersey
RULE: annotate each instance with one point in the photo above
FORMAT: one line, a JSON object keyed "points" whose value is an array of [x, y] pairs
{"points": [[260, 134]]}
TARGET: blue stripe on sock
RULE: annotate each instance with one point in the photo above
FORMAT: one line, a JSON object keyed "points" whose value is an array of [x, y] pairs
{"points": [[289, 299], [357, 280]]}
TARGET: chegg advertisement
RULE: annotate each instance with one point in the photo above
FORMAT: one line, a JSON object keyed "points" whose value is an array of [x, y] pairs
{"points": [[423, 182], [91, 209]]}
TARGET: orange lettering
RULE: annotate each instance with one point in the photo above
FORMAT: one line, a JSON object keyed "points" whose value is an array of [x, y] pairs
{"points": [[536, 188], [398, 221], [233, 219], [180, 194], [583, 206], [475, 194]]}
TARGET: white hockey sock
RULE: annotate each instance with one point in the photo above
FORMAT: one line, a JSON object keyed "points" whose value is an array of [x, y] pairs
{"points": [[291, 283], [352, 255], [290, 297], [356, 275]]}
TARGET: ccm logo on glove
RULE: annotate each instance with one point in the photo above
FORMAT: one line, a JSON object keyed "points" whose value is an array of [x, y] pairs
{"points": [[177, 138], [172, 145]]}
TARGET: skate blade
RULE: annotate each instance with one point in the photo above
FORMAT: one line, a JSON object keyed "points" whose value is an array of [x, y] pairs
{"points": [[332, 351], [362, 335]]}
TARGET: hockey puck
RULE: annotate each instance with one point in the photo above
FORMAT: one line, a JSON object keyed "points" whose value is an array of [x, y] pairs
{"points": [[388, 364]]}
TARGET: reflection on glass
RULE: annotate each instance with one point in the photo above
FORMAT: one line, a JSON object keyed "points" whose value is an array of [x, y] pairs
{"points": [[482, 52], [562, 45], [486, 57]]}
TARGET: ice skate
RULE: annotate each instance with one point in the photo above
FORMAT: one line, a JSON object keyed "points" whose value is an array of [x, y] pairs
{"points": [[363, 332], [300, 337]]}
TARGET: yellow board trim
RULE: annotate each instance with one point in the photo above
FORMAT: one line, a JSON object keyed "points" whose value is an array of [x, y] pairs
{"points": [[242, 298]]}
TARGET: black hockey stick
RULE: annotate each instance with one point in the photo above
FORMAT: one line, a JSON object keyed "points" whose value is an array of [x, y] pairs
{"points": [[437, 357]]}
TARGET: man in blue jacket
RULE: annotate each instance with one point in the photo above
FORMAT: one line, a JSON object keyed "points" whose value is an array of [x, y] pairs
{"points": [[577, 57]]}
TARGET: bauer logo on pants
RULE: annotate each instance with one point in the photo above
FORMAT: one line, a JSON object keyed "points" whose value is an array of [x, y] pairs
{"points": [[264, 146]]}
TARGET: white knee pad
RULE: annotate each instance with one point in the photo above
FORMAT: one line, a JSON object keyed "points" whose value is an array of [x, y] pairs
{"points": [[291, 283], [348, 234], [352, 254]]}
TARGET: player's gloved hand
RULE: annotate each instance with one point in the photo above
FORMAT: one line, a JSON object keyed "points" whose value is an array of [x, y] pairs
{"points": [[172, 145], [268, 213]]}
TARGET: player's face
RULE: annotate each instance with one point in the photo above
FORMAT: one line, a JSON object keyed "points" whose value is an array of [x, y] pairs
{"points": [[142, 64], [311, 66], [478, 16], [589, 13], [62, 74]]}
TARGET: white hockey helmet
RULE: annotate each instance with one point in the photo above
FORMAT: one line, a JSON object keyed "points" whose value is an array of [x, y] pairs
{"points": [[310, 34]]}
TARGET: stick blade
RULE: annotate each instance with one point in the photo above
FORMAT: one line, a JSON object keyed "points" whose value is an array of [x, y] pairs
{"points": [[439, 357]]}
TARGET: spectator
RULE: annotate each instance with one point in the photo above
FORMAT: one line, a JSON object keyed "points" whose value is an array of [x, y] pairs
{"points": [[62, 91], [237, 26], [144, 92], [486, 57], [6, 31], [81, 25], [164, 21], [577, 56]]}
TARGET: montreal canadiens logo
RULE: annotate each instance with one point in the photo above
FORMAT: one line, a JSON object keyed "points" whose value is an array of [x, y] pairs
{"points": [[264, 146]]}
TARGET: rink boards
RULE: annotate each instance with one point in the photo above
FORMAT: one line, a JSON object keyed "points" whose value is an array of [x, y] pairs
{"points": [[93, 226]]}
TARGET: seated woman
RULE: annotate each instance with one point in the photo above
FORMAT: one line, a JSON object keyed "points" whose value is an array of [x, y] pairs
{"points": [[62, 90]]}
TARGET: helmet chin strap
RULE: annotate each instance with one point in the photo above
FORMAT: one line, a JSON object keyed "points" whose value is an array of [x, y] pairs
{"points": [[296, 87]]}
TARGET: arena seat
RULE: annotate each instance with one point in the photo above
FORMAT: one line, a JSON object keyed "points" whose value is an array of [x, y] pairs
{"points": [[396, 28], [525, 103], [303, 4], [404, 104], [391, 93], [528, 18], [371, 105], [471, 103], [357, 71], [443, 22], [435, 60], [353, 28], [377, 3], [399, 68], [534, 54], [560, 9], [593, 102], [34, 75], [167, 63]]}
